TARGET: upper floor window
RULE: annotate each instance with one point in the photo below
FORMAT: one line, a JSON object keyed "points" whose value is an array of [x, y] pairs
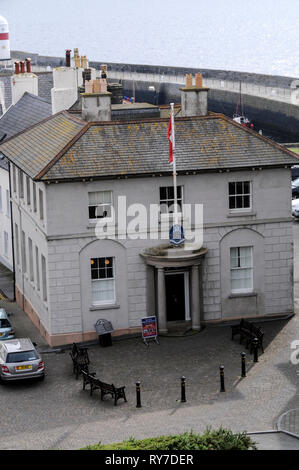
{"points": [[102, 280], [167, 199], [100, 205], [21, 184], [34, 197], [14, 179], [5, 243], [239, 195], [241, 269], [28, 190], [41, 204], [7, 203]]}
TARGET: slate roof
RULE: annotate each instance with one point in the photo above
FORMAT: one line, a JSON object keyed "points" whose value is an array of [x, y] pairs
{"points": [[65, 148], [29, 110], [45, 83]]}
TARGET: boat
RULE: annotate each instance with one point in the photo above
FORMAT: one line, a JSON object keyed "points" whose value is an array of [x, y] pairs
{"points": [[240, 117]]}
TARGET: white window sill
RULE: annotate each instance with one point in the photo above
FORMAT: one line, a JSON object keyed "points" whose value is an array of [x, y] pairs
{"points": [[93, 222], [241, 214], [242, 294], [103, 307]]}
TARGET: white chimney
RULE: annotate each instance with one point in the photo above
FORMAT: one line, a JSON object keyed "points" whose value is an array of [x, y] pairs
{"points": [[194, 98], [65, 90], [23, 80], [96, 101]]}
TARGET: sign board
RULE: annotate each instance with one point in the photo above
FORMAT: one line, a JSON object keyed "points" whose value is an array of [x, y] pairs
{"points": [[149, 328], [176, 234]]}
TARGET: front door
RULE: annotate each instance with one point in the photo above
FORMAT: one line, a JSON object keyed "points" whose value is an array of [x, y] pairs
{"points": [[175, 296]]}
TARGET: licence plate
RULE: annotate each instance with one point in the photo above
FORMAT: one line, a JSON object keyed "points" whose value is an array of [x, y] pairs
{"points": [[23, 367]]}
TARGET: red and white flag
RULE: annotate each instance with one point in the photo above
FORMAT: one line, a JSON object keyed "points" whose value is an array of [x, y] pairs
{"points": [[170, 138]]}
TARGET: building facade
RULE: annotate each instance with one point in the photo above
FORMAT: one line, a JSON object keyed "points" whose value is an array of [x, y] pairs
{"points": [[67, 276]]}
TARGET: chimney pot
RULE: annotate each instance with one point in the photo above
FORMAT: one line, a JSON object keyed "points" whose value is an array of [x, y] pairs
{"points": [[198, 80], [68, 57], [188, 80], [17, 67], [28, 65], [88, 86], [22, 66], [103, 71]]}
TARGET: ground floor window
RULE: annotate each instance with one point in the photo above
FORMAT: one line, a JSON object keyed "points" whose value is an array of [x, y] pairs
{"points": [[241, 269], [102, 280]]}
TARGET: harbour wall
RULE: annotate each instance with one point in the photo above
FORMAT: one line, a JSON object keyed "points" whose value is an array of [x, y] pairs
{"points": [[270, 101]]}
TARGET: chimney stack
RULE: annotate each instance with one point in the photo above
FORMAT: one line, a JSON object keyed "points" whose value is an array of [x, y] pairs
{"points": [[194, 98], [23, 80], [96, 101]]}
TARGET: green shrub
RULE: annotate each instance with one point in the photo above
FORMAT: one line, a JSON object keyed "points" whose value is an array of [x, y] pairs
{"points": [[220, 439]]}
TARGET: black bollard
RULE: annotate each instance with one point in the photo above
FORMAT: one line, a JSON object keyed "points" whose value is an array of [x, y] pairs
{"points": [[183, 389], [255, 350], [243, 364], [222, 388], [138, 395]]}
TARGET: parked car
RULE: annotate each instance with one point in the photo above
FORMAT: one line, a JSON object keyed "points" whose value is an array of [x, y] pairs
{"points": [[295, 172], [6, 330], [295, 207], [295, 188], [20, 360]]}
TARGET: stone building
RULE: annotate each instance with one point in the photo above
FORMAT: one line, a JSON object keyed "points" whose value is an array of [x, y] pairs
{"points": [[28, 110], [68, 174]]}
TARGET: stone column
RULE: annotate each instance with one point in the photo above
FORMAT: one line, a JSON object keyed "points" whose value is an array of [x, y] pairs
{"points": [[161, 295], [195, 299]]}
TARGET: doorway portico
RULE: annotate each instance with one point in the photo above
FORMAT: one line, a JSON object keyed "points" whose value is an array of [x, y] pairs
{"points": [[177, 284]]}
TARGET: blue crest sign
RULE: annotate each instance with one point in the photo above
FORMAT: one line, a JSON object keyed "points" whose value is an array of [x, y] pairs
{"points": [[176, 234]]}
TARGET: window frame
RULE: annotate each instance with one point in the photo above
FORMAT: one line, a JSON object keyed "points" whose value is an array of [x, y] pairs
{"points": [[167, 215], [107, 219], [239, 268], [235, 195], [113, 278]]}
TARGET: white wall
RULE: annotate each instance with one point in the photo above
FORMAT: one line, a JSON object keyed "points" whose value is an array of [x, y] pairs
{"points": [[5, 221]]}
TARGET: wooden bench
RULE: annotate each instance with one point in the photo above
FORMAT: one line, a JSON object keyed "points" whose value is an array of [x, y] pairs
{"points": [[79, 356], [248, 331], [106, 389]]}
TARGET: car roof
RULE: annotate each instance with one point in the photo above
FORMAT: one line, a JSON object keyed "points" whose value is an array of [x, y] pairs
{"points": [[3, 313], [18, 345]]}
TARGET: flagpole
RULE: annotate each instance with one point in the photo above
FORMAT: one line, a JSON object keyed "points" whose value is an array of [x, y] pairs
{"points": [[174, 165]]}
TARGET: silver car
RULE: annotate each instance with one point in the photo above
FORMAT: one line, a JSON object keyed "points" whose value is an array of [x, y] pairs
{"points": [[6, 330], [20, 360]]}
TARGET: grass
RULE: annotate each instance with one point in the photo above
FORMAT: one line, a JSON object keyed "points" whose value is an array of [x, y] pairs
{"points": [[220, 439]]}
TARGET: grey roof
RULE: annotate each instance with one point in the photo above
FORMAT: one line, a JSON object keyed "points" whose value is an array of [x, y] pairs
{"points": [[45, 83], [33, 149], [3, 162], [29, 110], [65, 148]]}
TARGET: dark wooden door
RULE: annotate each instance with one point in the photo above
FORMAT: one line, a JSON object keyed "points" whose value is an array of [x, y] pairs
{"points": [[175, 297]]}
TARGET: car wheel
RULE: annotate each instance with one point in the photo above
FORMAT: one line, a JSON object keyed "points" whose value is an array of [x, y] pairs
{"points": [[41, 378]]}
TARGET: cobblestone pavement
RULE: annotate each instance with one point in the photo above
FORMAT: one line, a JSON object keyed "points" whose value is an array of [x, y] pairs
{"points": [[58, 414]]}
